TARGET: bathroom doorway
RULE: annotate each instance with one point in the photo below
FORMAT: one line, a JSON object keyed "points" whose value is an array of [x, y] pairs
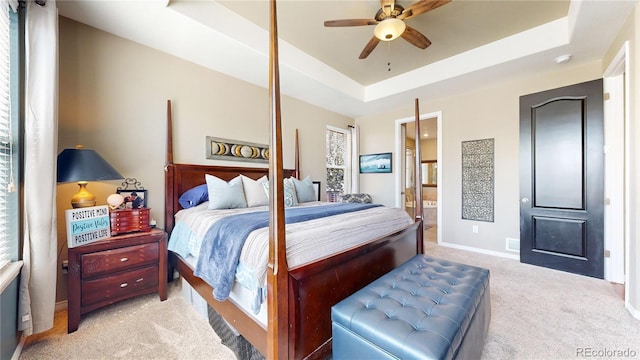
{"points": [[428, 142]]}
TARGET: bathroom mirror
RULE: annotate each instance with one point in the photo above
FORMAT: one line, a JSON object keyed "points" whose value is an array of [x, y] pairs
{"points": [[429, 173]]}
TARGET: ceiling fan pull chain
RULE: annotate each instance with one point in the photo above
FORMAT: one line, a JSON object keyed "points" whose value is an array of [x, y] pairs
{"points": [[389, 55]]}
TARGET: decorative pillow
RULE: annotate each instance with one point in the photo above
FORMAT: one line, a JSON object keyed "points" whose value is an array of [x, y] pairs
{"points": [[254, 191], [290, 198], [356, 198], [225, 195], [304, 189], [194, 196]]}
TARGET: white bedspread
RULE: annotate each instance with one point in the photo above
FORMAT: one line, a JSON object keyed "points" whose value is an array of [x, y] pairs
{"points": [[306, 241]]}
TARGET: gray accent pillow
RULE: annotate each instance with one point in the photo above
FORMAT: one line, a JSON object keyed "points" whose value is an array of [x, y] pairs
{"points": [[225, 195], [304, 189]]}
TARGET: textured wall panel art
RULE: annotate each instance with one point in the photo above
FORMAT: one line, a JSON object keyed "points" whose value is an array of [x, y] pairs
{"points": [[478, 179], [225, 149]]}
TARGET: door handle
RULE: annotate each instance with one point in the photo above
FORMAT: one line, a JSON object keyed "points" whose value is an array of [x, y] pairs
{"points": [[525, 200]]}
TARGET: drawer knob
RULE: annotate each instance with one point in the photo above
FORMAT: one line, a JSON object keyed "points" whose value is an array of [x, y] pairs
{"points": [[139, 280], [124, 285], [124, 259]]}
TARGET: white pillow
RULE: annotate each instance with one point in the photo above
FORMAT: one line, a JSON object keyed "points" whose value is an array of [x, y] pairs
{"points": [[304, 189], [254, 191], [225, 195]]}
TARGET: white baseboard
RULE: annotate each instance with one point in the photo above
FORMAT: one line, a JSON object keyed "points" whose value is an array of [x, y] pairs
{"points": [[61, 305], [633, 311], [18, 351], [481, 251]]}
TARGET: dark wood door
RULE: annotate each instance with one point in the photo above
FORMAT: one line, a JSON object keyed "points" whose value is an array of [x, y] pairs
{"points": [[562, 179]]}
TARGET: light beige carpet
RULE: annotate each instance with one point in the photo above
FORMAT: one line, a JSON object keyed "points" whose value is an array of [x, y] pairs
{"points": [[537, 313], [139, 328]]}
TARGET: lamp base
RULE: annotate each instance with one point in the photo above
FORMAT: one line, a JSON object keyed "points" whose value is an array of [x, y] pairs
{"points": [[83, 198]]}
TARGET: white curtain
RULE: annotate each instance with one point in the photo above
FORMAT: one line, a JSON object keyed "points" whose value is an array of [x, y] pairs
{"points": [[355, 159], [38, 278]]}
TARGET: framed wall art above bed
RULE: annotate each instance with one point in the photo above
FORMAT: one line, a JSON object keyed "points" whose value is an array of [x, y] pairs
{"points": [[226, 149]]}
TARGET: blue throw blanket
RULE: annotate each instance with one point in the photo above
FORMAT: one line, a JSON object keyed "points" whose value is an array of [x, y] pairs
{"points": [[222, 244]]}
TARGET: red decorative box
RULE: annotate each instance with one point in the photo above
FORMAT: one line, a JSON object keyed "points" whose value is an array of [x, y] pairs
{"points": [[129, 220]]}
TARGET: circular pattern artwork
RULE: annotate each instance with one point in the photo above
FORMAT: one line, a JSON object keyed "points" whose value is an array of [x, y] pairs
{"points": [[224, 149]]}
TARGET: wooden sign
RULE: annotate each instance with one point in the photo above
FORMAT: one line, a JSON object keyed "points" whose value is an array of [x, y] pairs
{"points": [[87, 225]]}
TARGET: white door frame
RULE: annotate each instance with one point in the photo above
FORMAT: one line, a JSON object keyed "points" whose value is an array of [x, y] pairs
{"points": [[399, 159], [617, 155]]}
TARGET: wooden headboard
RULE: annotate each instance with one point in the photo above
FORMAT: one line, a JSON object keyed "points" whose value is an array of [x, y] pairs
{"points": [[179, 178], [182, 177]]}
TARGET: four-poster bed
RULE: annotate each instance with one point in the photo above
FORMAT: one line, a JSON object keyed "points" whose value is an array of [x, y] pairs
{"points": [[299, 299]]}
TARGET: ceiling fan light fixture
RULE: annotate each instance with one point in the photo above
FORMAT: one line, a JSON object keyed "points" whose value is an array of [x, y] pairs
{"points": [[389, 29]]}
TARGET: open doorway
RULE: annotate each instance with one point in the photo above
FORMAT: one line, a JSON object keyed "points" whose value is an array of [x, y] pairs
{"points": [[617, 181], [430, 151]]}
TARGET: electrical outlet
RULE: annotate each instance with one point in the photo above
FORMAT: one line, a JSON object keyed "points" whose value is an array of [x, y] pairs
{"points": [[475, 229]]}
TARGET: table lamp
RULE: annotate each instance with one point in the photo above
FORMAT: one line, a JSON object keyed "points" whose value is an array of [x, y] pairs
{"points": [[84, 165]]}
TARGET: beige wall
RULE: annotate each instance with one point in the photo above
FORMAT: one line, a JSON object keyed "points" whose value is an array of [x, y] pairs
{"points": [[113, 95], [492, 112], [489, 112], [429, 149]]}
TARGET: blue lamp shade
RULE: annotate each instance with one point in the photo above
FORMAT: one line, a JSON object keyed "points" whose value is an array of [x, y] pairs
{"points": [[84, 165]]}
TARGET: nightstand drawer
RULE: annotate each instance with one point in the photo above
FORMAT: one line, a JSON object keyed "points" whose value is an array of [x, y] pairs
{"points": [[117, 286], [110, 261], [115, 269]]}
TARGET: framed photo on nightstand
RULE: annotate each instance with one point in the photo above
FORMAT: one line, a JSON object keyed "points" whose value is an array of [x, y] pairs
{"points": [[134, 199]]}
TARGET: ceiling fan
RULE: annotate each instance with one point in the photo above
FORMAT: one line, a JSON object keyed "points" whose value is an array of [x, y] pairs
{"points": [[389, 21]]}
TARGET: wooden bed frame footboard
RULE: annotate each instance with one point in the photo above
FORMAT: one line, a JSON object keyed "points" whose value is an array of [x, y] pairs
{"points": [[317, 287]]}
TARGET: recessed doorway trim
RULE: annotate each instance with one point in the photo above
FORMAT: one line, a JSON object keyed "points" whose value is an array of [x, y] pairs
{"points": [[617, 163]]}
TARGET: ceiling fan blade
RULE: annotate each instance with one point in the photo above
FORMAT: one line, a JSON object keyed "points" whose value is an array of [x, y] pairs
{"points": [[421, 7], [350, 22], [369, 47], [414, 37]]}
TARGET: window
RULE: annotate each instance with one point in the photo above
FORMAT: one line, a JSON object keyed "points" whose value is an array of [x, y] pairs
{"points": [[9, 215], [338, 162]]}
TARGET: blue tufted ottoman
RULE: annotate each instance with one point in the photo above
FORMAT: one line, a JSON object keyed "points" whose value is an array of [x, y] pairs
{"points": [[426, 308]]}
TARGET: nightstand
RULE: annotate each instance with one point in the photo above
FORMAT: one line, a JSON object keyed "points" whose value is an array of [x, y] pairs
{"points": [[115, 269]]}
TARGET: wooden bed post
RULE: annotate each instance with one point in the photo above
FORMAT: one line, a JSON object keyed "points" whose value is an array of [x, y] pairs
{"points": [[418, 182], [297, 155], [168, 176], [277, 272]]}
